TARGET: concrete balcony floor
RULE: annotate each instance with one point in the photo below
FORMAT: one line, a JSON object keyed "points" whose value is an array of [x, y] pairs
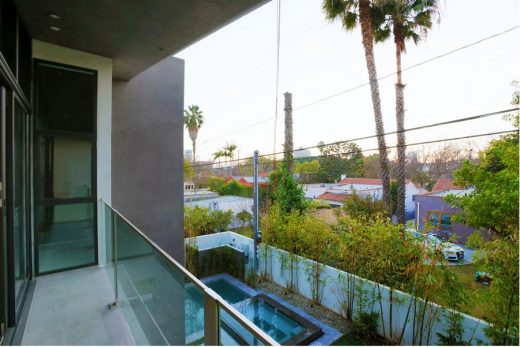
{"points": [[71, 308]]}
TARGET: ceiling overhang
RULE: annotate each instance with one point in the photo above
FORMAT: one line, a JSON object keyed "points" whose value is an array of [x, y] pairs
{"points": [[134, 33]]}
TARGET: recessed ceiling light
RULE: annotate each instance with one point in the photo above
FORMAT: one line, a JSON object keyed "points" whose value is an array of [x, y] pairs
{"points": [[54, 16], [55, 28]]}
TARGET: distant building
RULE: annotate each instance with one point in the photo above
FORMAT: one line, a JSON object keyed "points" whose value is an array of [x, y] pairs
{"points": [[437, 214], [188, 154], [302, 153], [263, 179]]}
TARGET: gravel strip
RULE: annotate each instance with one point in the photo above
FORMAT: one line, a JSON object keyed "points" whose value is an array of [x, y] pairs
{"points": [[319, 312]]}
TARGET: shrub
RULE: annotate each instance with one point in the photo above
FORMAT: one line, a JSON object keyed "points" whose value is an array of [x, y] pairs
{"points": [[215, 184], [202, 221], [475, 240], [364, 208]]}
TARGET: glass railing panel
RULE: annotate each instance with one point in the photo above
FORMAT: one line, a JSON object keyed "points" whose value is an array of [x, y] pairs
{"points": [[233, 333], [162, 302]]}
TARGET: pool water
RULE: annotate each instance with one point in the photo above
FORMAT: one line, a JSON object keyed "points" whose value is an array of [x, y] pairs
{"points": [[228, 291], [275, 323], [263, 314]]}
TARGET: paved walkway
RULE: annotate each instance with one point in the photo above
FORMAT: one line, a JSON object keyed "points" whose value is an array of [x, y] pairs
{"points": [[71, 308]]}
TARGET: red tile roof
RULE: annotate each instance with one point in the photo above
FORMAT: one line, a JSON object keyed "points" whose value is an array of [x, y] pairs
{"points": [[333, 197], [445, 184]]}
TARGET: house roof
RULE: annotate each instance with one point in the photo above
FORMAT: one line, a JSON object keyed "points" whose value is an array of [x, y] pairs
{"points": [[333, 197], [367, 181], [445, 184]]}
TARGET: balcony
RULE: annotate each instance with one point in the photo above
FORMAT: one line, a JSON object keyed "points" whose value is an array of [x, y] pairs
{"points": [[140, 297]]}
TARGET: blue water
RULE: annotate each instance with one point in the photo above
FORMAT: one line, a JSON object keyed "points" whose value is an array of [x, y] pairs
{"points": [[272, 321], [228, 291]]}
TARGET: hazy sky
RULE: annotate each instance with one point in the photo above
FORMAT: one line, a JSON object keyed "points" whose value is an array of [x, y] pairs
{"points": [[231, 76]]}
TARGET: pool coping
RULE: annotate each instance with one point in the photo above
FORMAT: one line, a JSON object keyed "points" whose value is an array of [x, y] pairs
{"points": [[329, 334]]}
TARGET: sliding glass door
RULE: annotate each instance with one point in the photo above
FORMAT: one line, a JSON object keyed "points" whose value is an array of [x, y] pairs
{"points": [[65, 182]]}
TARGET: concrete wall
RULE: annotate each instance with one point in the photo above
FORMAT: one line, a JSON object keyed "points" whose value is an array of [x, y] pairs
{"points": [[334, 287], [429, 203], [147, 153]]}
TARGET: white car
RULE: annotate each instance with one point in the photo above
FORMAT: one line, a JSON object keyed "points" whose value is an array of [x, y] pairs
{"points": [[451, 251]]}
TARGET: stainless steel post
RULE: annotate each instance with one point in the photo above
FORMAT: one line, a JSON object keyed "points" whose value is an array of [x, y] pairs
{"points": [[255, 215]]}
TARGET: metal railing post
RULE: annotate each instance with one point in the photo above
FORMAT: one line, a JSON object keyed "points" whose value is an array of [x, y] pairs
{"points": [[255, 216], [114, 253], [211, 321]]}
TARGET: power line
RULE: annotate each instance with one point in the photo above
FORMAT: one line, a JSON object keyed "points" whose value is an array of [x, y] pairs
{"points": [[420, 127], [367, 83], [375, 149]]}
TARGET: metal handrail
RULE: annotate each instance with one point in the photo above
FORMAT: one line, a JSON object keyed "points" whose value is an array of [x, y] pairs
{"points": [[245, 322]]}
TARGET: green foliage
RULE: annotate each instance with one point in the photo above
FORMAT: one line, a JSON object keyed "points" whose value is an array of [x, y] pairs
{"points": [[340, 158], [244, 217], [475, 240], [365, 325], [193, 118], [289, 194], [219, 185], [364, 208], [455, 298], [202, 221], [500, 258], [307, 167], [494, 202], [189, 173]]}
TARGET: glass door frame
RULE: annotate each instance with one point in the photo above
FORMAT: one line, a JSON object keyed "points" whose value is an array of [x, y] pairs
{"points": [[37, 133], [15, 300]]}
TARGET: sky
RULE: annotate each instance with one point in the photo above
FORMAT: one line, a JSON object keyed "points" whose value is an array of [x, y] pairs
{"points": [[231, 76]]}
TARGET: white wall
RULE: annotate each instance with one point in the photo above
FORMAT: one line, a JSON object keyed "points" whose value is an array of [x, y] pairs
{"points": [[335, 284], [103, 66]]}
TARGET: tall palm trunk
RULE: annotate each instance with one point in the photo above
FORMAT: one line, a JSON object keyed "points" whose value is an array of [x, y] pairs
{"points": [[193, 137], [288, 146], [401, 142], [365, 17]]}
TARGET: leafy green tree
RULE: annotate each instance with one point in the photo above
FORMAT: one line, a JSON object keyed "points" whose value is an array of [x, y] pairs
{"points": [[340, 158], [364, 208], [493, 204], [404, 20], [245, 218], [189, 173], [351, 13], [289, 195]]}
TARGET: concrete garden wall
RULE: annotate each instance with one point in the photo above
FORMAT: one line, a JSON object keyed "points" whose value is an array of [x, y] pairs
{"points": [[334, 284]]}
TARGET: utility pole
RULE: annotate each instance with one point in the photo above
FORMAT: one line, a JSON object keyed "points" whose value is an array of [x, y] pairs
{"points": [[288, 146], [257, 237]]}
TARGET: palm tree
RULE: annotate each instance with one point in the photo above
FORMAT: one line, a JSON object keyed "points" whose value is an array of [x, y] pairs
{"points": [[351, 13], [218, 155], [193, 120], [404, 20], [229, 152]]}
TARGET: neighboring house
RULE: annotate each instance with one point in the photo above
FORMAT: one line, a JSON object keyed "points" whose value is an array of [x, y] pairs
{"points": [[248, 181], [312, 191], [435, 214], [91, 107], [376, 186], [189, 185]]}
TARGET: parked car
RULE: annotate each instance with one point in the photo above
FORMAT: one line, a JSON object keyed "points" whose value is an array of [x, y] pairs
{"points": [[451, 251]]}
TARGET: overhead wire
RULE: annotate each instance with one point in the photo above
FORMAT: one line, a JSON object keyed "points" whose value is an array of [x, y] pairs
{"points": [[366, 83], [420, 127], [376, 148]]}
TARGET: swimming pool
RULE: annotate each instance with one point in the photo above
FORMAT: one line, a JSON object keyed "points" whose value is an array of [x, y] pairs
{"points": [[278, 321]]}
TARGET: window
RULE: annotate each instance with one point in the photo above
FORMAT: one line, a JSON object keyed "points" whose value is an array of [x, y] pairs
{"points": [[439, 220]]}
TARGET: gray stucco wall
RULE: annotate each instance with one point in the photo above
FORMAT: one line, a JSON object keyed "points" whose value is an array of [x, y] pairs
{"points": [[147, 153]]}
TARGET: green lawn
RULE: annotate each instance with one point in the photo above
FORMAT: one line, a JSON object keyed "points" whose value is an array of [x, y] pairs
{"points": [[476, 291]]}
